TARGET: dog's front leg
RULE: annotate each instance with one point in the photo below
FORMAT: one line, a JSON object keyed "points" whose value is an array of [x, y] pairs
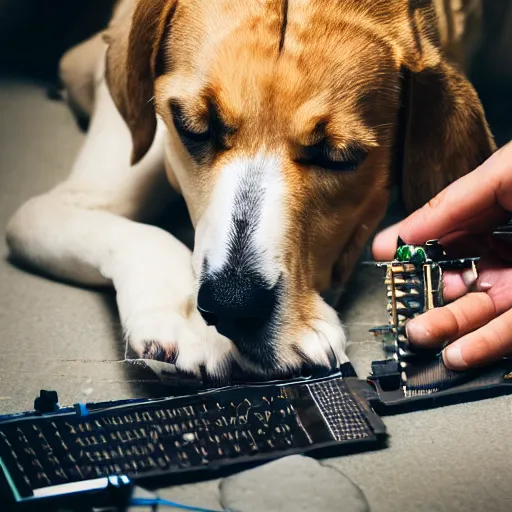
{"points": [[85, 231], [150, 270]]}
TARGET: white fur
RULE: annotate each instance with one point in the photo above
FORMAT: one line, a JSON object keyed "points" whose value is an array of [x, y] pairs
{"points": [[326, 336], [81, 231], [269, 236], [213, 230]]}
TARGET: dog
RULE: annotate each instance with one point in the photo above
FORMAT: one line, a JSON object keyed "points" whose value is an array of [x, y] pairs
{"points": [[281, 123]]}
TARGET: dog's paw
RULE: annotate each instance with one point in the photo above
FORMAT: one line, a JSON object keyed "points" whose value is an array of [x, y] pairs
{"points": [[160, 352], [323, 345], [182, 340], [317, 347]]}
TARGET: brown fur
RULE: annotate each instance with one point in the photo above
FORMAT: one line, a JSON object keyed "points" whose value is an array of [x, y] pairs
{"points": [[334, 71], [340, 66]]}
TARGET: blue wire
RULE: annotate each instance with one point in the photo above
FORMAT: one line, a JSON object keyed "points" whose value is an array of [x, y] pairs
{"points": [[155, 502]]}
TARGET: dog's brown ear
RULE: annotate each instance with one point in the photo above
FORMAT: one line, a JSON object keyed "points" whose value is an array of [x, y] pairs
{"points": [[134, 40], [446, 134]]}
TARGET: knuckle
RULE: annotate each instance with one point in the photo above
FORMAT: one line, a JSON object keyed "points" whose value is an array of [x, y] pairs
{"points": [[437, 200], [471, 311], [443, 323]]}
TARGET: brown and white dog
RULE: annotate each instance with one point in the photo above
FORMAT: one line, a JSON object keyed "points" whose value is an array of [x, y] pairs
{"points": [[279, 122]]}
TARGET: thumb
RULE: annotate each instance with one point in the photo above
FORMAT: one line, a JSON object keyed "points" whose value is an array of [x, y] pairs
{"points": [[384, 243]]}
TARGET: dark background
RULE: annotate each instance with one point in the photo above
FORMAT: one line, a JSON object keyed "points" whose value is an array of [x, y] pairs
{"points": [[35, 33]]}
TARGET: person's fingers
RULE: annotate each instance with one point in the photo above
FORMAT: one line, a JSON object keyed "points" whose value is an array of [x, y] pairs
{"points": [[477, 202], [483, 346], [458, 244], [452, 321], [497, 281], [491, 277], [384, 243], [456, 284]]}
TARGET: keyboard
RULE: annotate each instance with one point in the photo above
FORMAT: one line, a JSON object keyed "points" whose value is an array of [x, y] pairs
{"points": [[182, 435]]}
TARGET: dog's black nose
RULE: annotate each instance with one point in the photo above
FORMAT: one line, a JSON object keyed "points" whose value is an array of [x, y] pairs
{"points": [[237, 306]]}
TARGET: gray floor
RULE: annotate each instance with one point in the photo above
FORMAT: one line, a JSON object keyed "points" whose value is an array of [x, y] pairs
{"points": [[59, 337]]}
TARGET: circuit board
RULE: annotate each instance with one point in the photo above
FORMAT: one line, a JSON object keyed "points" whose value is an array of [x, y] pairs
{"points": [[192, 437]]}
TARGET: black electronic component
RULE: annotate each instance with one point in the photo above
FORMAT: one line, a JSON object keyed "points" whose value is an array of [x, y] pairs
{"points": [[153, 442], [413, 378], [47, 401]]}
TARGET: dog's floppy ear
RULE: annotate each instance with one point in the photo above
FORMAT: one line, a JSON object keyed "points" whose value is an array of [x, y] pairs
{"points": [[134, 40], [446, 134]]}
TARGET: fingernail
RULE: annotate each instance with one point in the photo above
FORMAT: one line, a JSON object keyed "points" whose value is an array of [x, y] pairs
{"points": [[484, 286], [452, 356], [469, 276], [416, 333]]}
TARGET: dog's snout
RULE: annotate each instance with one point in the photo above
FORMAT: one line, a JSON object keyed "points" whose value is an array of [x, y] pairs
{"points": [[237, 307]]}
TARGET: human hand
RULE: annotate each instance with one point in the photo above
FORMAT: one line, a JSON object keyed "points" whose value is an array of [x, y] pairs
{"points": [[463, 216]]}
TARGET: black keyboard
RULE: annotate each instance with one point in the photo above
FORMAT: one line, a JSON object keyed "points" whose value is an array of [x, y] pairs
{"points": [[177, 435]]}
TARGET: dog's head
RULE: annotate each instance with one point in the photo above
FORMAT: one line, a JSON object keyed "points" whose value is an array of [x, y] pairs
{"points": [[283, 120]]}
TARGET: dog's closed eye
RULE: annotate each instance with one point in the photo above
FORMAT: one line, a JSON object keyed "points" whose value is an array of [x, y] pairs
{"points": [[194, 129], [324, 155], [201, 133]]}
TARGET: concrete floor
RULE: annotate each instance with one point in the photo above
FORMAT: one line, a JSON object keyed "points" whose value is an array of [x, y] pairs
{"points": [[55, 336]]}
